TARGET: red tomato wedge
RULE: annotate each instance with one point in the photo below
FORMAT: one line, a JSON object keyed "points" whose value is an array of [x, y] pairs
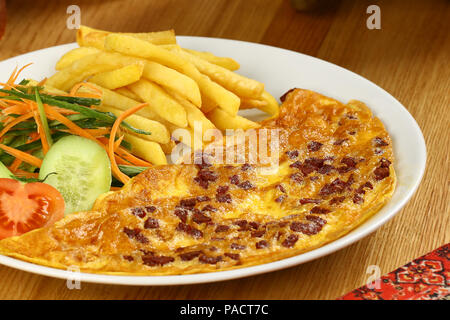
{"points": [[24, 207]]}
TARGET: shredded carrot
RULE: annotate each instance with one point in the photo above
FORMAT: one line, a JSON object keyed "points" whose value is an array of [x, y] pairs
{"points": [[15, 122], [118, 142], [131, 158], [76, 87], [26, 174], [115, 188], [40, 127], [116, 171], [17, 109], [123, 153], [11, 80], [100, 132], [15, 165], [15, 75], [42, 82], [25, 157], [55, 115], [120, 160]]}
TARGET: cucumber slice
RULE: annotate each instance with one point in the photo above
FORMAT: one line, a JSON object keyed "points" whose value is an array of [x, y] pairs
{"points": [[83, 171]]}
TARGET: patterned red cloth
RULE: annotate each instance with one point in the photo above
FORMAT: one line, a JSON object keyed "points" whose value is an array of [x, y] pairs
{"points": [[425, 278]]}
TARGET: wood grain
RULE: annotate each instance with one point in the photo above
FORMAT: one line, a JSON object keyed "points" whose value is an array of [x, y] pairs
{"points": [[408, 57]]}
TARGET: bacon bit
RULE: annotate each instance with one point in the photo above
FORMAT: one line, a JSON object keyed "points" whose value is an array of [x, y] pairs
{"points": [[292, 154], [314, 146], [153, 261], [381, 173], [189, 230], [237, 246], [224, 198], [222, 228], [325, 169], [261, 244], [209, 260], [297, 177], [138, 212], [349, 161], [337, 200], [182, 214], [319, 210], [203, 198], [209, 208], [258, 234], [380, 142], [290, 241], [188, 256], [234, 256], [234, 179], [306, 228], [151, 223], [308, 200], [199, 218], [188, 203], [246, 185], [131, 233], [357, 199], [204, 177]]}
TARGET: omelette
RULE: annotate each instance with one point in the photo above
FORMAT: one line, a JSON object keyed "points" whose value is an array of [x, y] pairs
{"points": [[335, 171]]}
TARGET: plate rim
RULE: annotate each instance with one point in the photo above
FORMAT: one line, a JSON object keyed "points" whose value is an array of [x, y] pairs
{"points": [[329, 248]]}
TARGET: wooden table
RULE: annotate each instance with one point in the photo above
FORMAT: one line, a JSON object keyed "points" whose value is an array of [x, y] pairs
{"points": [[409, 57]]}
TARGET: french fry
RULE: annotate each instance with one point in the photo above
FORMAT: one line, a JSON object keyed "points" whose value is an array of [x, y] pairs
{"points": [[128, 93], [174, 80], [272, 107], [225, 62], [147, 150], [160, 102], [247, 103], [138, 48], [208, 104], [119, 77], [73, 55], [223, 121], [89, 37], [218, 95], [240, 85], [118, 101], [195, 116], [80, 69], [159, 132]]}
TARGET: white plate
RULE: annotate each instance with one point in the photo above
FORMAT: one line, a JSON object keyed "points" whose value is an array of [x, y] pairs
{"points": [[280, 70]]}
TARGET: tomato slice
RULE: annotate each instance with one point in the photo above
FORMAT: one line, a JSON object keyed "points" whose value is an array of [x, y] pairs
{"points": [[24, 207]]}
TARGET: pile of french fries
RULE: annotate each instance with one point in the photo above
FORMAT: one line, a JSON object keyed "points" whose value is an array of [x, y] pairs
{"points": [[181, 86]]}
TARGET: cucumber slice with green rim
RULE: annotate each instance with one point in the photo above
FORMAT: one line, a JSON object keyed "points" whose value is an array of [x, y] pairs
{"points": [[82, 171]]}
